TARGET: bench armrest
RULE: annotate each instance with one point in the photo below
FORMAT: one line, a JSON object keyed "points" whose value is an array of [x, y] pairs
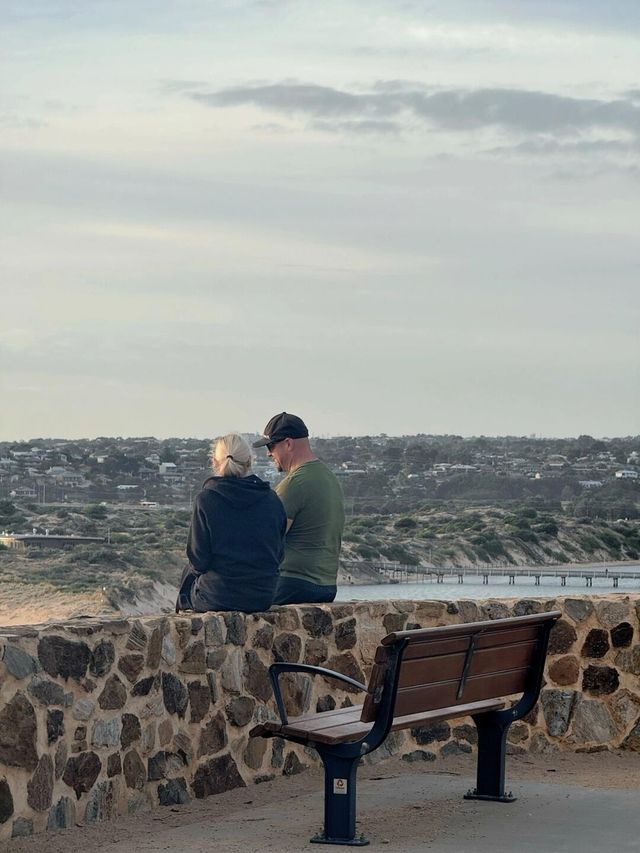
{"points": [[276, 668]]}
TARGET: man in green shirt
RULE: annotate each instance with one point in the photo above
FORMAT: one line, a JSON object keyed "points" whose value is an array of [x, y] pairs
{"points": [[314, 504]]}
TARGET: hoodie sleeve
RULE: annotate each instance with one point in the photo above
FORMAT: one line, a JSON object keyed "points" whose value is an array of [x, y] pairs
{"points": [[199, 540]]}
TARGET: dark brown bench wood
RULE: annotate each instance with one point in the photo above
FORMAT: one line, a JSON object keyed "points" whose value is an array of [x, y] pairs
{"points": [[419, 677]]}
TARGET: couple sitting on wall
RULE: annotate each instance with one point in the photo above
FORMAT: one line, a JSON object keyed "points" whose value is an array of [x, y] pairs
{"points": [[250, 547]]}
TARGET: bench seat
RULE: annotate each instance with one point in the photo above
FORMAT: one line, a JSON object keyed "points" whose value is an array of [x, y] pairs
{"points": [[344, 725]]}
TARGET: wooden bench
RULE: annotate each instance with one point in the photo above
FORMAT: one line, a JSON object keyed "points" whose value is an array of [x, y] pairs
{"points": [[418, 678]]}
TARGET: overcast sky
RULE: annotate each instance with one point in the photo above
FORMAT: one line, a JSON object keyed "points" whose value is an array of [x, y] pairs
{"points": [[386, 216]]}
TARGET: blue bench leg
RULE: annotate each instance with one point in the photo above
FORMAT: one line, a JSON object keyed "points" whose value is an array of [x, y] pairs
{"points": [[492, 750], [339, 801]]}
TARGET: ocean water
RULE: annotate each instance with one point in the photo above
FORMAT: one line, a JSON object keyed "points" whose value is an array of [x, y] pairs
{"points": [[498, 587]]}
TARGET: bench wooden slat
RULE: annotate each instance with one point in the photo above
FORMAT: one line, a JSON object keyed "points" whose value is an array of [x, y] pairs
{"points": [[411, 700], [337, 713], [410, 721], [419, 671], [321, 731], [451, 645], [496, 626]]}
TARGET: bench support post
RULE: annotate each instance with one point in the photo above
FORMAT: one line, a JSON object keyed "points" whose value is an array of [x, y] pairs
{"points": [[339, 801], [492, 749]]}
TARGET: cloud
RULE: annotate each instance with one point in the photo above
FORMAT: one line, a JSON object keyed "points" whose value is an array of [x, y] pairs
{"points": [[371, 126], [458, 110]]}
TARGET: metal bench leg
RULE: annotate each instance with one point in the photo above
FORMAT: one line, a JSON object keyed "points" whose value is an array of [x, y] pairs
{"points": [[339, 801], [492, 750]]}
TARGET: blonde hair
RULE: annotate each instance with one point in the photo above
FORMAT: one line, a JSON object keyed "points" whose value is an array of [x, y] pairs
{"points": [[231, 456]]}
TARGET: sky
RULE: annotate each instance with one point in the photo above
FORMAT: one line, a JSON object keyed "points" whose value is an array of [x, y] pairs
{"points": [[387, 217]]}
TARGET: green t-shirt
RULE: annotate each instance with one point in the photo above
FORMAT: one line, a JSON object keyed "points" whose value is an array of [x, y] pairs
{"points": [[312, 499]]}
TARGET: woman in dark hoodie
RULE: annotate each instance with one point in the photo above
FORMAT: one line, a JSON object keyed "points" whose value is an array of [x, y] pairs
{"points": [[236, 540]]}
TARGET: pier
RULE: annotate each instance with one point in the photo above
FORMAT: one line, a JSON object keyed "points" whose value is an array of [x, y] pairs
{"points": [[399, 573]]}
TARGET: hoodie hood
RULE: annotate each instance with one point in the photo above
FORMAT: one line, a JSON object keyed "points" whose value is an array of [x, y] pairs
{"points": [[240, 492]]}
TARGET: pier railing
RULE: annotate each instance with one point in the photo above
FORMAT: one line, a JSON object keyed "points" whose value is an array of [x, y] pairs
{"points": [[399, 573]]}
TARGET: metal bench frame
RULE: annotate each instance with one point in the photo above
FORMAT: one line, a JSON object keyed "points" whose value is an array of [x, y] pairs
{"points": [[341, 760]]}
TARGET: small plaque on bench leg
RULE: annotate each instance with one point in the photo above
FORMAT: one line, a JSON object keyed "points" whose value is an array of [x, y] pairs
{"points": [[505, 798]]}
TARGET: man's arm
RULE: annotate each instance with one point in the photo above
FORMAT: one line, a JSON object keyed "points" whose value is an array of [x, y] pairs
{"points": [[289, 494]]}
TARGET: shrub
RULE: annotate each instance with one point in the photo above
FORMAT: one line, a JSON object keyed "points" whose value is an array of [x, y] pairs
{"points": [[95, 511], [549, 528], [406, 524]]}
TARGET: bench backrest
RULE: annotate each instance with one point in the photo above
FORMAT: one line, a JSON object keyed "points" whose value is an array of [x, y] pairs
{"points": [[457, 664]]}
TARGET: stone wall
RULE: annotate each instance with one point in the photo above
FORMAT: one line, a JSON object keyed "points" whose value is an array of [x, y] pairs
{"points": [[103, 718]]}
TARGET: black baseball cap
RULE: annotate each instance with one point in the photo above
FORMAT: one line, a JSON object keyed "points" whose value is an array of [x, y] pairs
{"points": [[282, 426]]}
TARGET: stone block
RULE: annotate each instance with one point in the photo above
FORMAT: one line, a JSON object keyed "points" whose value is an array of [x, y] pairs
{"points": [[213, 737], [45, 691], [632, 740], [263, 638], [18, 727], [102, 658], [114, 694], [55, 725], [611, 613], [346, 664], [625, 707], [106, 732], [22, 827], [562, 637], [436, 732], [256, 677], [564, 670], [131, 730], [592, 722], [6, 801], [199, 700], [292, 765], [215, 776], [131, 666], [240, 710], [81, 772], [317, 621], [418, 755], [394, 622], [236, 629], [173, 792], [622, 635], [596, 644], [578, 609], [628, 660], [174, 694], [135, 774], [137, 639], [18, 662], [169, 654], [102, 803], [213, 632], [194, 659], [287, 648], [316, 651], [600, 680], [62, 657], [557, 708], [40, 786], [62, 815]]}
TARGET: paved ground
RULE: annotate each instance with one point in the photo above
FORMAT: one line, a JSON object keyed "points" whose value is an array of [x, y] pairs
{"points": [[566, 804]]}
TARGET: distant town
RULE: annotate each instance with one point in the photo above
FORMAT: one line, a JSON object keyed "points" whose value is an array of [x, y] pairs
{"points": [[379, 473]]}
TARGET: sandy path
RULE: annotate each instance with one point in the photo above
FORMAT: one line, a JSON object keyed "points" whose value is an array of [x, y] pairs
{"points": [[250, 819]]}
